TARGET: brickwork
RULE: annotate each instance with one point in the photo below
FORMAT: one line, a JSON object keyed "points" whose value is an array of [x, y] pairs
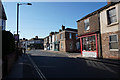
{"points": [[94, 25], [105, 46]]}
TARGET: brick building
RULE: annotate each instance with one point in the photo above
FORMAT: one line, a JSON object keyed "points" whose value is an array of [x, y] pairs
{"points": [[99, 32], [67, 39], [89, 34], [110, 30]]}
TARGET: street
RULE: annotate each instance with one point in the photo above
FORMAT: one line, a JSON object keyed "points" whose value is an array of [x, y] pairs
{"points": [[44, 65]]}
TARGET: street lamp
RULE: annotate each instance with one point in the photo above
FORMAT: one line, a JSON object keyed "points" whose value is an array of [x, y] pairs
{"points": [[18, 18]]}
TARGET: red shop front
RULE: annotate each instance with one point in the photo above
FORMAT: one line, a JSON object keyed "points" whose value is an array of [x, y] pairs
{"points": [[89, 45]]}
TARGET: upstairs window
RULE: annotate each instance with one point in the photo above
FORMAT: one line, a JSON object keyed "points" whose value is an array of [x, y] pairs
{"points": [[61, 46], [70, 35], [87, 24], [113, 41], [56, 37], [61, 36], [111, 16]]}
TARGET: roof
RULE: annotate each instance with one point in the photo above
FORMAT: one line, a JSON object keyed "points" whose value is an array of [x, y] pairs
{"points": [[3, 11], [36, 39], [70, 29], [99, 10]]}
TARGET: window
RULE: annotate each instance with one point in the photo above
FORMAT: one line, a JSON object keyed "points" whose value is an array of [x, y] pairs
{"points": [[61, 45], [89, 43], [70, 45], [113, 42], [61, 36], [76, 36], [112, 15], [87, 26], [70, 35], [56, 37], [2, 23]]}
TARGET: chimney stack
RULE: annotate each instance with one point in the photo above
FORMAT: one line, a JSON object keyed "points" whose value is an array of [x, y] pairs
{"points": [[110, 2], [63, 27], [36, 37], [60, 30]]}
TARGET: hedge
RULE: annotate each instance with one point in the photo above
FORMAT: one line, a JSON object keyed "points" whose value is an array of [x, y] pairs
{"points": [[8, 42]]}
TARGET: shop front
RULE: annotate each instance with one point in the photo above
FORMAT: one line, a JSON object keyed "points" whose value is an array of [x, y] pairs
{"points": [[89, 45]]}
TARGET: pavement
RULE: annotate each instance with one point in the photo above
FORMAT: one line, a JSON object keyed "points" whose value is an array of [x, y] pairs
{"points": [[22, 69]]}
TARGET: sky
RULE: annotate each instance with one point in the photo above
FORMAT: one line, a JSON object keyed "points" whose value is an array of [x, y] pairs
{"points": [[41, 18]]}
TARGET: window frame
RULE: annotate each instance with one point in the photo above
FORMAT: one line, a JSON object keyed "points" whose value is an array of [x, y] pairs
{"points": [[61, 46], [113, 16], [86, 23], [71, 46], [70, 35], [61, 36], [113, 42]]}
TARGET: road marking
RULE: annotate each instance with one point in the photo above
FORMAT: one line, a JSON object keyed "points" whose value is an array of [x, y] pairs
{"points": [[37, 69]]}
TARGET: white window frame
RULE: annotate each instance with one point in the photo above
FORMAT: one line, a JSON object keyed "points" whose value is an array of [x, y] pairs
{"points": [[88, 26], [113, 42], [70, 35], [109, 18]]}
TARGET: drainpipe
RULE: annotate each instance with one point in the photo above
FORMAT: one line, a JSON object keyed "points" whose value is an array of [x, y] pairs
{"points": [[100, 56]]}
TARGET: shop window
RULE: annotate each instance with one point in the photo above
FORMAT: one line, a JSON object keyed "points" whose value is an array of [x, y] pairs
{"points": [[89, 43], [112, 15], [113, 42], [87, 24]]}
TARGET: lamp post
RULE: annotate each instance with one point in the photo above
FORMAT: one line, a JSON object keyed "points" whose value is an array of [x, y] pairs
{"points": [[18, 4]]}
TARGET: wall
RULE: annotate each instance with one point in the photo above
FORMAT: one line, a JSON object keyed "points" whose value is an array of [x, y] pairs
{"points": [[94, 25]]}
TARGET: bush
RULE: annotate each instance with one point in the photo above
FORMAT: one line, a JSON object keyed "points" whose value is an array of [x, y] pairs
{"points": [[8, 42]]}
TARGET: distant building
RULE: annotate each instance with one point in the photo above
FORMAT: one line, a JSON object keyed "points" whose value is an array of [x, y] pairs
{"points": [[65, 40], [51, 41], [36, 43], [46, 43], [3, 17], [56, 41]]}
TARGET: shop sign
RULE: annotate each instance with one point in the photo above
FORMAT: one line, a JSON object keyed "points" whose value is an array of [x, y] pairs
{"points": [[89, 54]]}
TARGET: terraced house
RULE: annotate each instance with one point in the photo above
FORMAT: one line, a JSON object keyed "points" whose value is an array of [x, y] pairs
{"points": [[67, 39], [99, 32], [46, 43], [110, 30]]}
